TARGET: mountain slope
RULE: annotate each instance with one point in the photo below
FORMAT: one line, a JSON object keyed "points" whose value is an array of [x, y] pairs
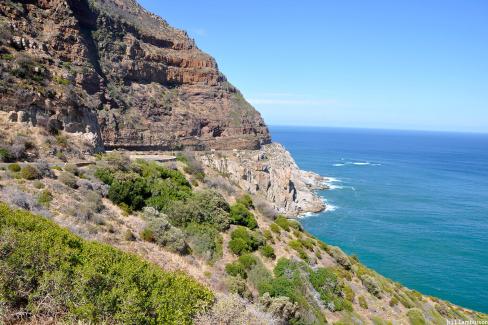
{"points": [[112, 69]]}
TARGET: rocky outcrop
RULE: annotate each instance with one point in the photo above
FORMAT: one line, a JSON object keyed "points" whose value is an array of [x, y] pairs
{"points": [[113, 69], [272, 174]]}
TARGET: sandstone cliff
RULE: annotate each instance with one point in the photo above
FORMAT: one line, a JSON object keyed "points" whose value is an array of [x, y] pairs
{"points": [[114, 70], [272, 174]]}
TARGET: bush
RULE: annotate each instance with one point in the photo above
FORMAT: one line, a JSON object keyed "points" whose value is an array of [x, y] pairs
{"points": [[362, 302], [340, 257], [393, 302], [147, 184], [147, 234], [68, 179], [193, 167], [4, 155], [240, 215], [283, 222], [129, 236], [53, 272], [244, 241], [268, 251], [203, 207], [275, 228], [15, 167], [235, 269], [297, 246], [164, 234], [246, 201], [30, 172], [348, 293], [247, 260], [416, 317], [236, 284], [308, 243], [44, 169], [371, 285], [45, 198], [268, 235], [332, 291], [205, 241]]}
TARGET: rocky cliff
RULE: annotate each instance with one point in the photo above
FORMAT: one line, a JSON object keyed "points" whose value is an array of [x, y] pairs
{"points": [[112, 69], [272, 174]]}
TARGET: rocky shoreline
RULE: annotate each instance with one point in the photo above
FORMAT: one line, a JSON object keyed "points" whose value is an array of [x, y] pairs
{"points": [[272, 174]]}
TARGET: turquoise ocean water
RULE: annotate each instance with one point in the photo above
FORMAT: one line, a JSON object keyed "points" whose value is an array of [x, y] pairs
{"points": [[411, 205]]}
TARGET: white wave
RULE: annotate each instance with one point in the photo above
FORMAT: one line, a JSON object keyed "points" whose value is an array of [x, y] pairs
{"points": [[333, 180], [330, 208], [334, 187], [361, 163], [356, 163]]}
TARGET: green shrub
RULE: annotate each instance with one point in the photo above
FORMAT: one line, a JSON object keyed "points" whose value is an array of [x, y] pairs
{"points": [[371, 285], [240, 215], [4, 155], [45, 198], [393, 302], [340, 257], [165, 235], [268, 251], [283, 222], [416, 317], [235, 269], [236, 284], [348, 293], [247, 260], [246, 201], [147, 184], [14, 167], [239, 246], [203, 207], [297, 246], [295, 224], [244, 241], [259, 276], [268, 235], [30, 172], [308, 243], [147, 234], [68, 179], [332, 291], [362, 302], [129, 236], [87, 281], [205, 241], [275, 228], [62, 81]]}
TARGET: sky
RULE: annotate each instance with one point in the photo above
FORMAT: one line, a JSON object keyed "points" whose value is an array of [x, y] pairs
{"points": [[406, 64]]}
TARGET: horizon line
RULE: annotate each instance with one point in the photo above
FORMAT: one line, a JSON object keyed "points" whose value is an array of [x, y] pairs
{"points": [[377, 128]]}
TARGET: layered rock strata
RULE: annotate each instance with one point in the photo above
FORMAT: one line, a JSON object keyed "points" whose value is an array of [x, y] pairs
{"points": [[113, 69], [272, 174]]}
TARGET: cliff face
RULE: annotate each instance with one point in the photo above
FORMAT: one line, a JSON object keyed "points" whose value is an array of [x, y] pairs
{"points": [[272, 174], [112, 69]]}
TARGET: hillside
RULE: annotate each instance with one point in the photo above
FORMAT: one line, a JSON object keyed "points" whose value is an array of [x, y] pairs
{"points": [[117, 76], [197, 226]]}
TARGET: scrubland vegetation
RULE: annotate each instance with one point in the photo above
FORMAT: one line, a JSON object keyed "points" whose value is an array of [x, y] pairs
{"points": [[265, 268], [49, 272]]}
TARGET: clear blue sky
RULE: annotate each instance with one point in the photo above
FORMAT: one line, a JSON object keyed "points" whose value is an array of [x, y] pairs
{"points": [[406, 64]]}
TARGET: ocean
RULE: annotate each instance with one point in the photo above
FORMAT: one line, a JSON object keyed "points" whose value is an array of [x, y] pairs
{"points": [[411, 205]]}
